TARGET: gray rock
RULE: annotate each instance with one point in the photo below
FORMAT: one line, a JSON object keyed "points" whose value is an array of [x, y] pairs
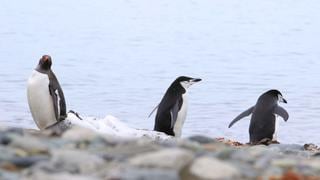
{"points": [[144, 173], [202, 139], [6, 153], [4, 175], [76, 161], [212, 168], [4, 139], [131, 148], [168, 158], [24, 162], [252, 153], [59, 176], [284, 162], [31, 145], [294, 149]]}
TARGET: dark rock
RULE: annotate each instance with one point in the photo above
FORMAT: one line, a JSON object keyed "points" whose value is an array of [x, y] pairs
{"points": [[202, 139], [24, 162], [311, 147]]}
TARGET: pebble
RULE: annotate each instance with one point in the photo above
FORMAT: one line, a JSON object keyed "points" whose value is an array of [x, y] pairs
{"points": [[144, 173], [167, 159], [212, 168]]}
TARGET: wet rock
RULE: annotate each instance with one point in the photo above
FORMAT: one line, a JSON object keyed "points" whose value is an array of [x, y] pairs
{"points": [[212, 168], [169, 159]]}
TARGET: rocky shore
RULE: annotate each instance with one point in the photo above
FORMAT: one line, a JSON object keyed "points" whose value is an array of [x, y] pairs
{"points": [[81, 154]]}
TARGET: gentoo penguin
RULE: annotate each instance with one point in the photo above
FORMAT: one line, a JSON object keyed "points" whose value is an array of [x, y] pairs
{"points": [[172, 110], [45, 96], [263, 119]]}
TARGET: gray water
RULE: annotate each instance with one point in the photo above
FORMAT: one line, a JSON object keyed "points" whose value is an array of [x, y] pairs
{"points": [[118, 57]]}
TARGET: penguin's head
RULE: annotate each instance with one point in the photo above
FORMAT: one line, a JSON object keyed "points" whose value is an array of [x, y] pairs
{"points": [[186, 82], [276, 94], [45, 63]]}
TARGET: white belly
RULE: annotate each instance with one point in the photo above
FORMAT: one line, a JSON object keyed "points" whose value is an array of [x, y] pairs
{"points": [[181, 116], [276, 129], [40, 101]]}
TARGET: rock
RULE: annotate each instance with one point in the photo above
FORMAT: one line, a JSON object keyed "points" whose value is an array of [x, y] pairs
{"points": [[63, 176], [202, 139], [144, 173], [78, 133], [286, 147], [131, 148], [4, 175], [314, 164], [24, 162], [76, 161], [4, 139], [168, 158], [31, 145], [212, 168], [250, 154], [284, 162], [6, 153], [311, 147]]}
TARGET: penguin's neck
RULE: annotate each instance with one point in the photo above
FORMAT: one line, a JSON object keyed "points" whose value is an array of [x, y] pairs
{"points": [[41, 70]]}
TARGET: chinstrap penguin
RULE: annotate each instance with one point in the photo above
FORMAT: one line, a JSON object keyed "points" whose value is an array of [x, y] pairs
{"points": [[263, 120], [172, 110], [45, 96]]}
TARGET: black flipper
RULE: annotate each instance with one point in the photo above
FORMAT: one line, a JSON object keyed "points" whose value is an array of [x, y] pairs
{"points": [[153, 110], [174, 112], [54, 101], [242, 115], [58, 99], [281, 112]]}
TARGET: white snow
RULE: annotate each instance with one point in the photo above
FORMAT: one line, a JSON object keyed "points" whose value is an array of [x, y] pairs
{"points": [[112, 126]]}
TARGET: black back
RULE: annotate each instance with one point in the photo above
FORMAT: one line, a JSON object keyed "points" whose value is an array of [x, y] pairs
{"points": [[262, 124]]}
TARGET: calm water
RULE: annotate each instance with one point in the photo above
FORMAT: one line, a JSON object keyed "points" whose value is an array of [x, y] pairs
{"points": [[118, 57]]}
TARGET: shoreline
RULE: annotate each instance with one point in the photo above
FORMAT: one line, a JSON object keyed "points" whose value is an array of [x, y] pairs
{"points": [[80, 153]]}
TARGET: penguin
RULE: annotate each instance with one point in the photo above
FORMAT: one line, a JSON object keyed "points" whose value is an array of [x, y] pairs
{"points": [[263, 120], [172, 110], [45, 96]]}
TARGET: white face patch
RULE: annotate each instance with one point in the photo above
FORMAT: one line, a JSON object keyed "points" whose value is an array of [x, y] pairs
{"points": [[280, 98], [186, 84]]}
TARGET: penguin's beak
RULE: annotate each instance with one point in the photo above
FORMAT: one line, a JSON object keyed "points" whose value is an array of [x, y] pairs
{"points": [[196, 80], [281, 99]]}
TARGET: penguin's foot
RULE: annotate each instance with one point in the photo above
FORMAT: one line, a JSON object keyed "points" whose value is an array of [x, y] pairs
{"points": [[58, 128], [264, 141]]}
